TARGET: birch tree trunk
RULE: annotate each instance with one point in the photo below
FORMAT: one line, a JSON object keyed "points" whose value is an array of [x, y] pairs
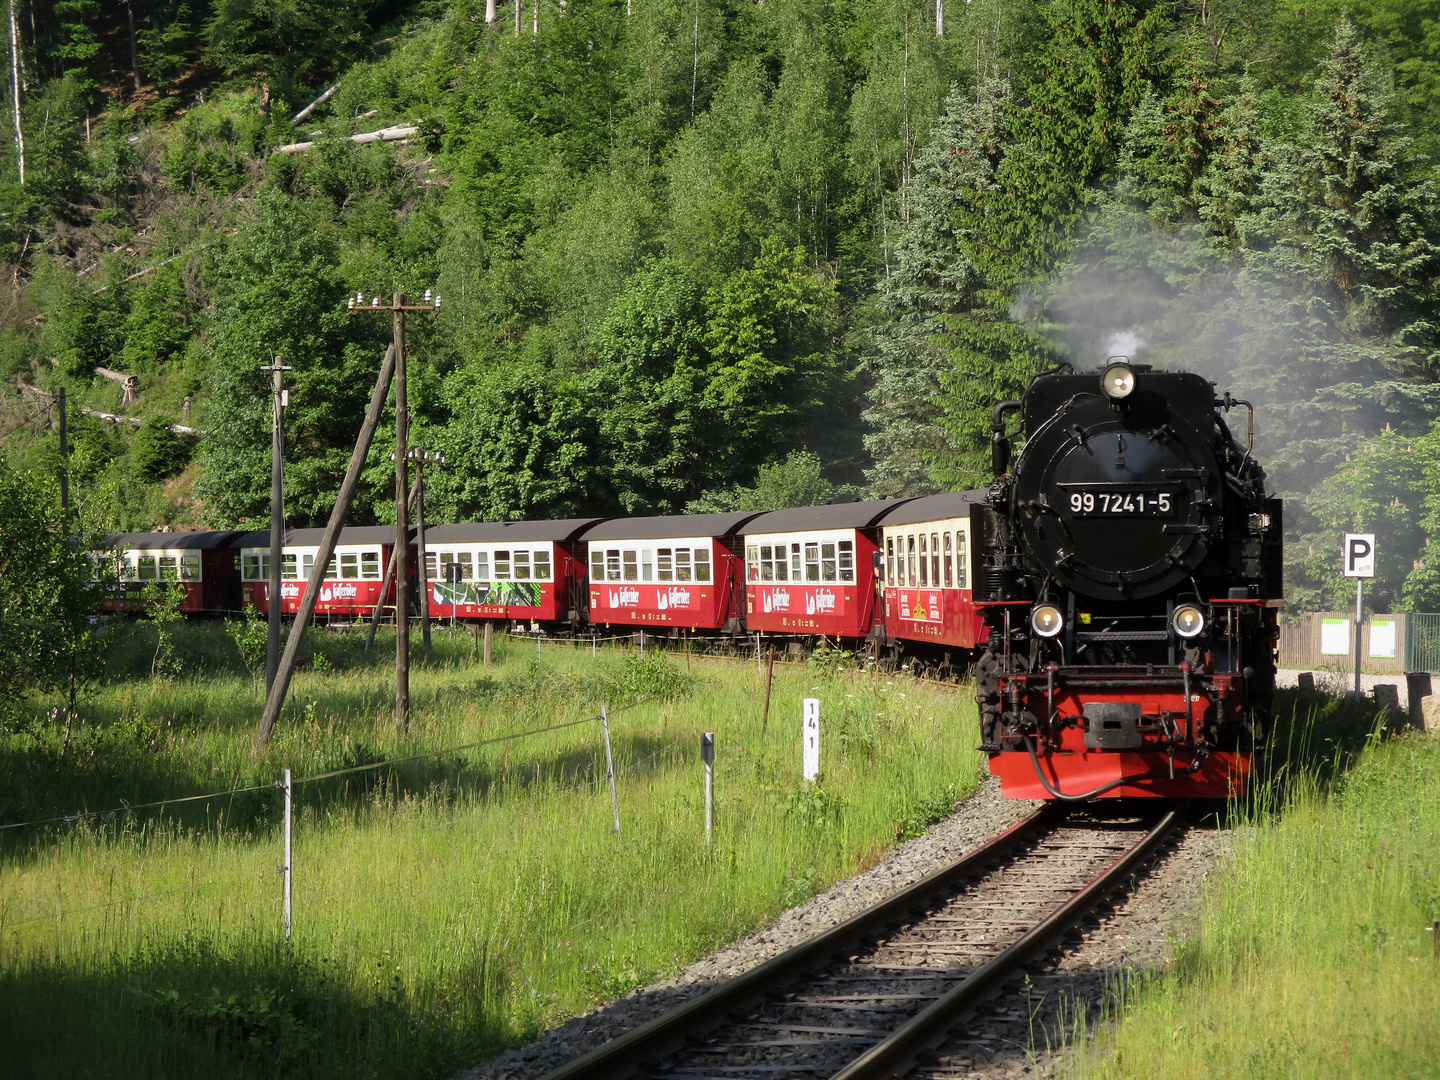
{"points": [[939, 18], [489, 12], [134, 54], [15, 92]]}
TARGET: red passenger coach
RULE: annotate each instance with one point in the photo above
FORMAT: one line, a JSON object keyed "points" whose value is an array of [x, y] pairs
{"points": [[812, 570], [668, 572], [929, 570], [203, 563], [522, 570], [353, 581]]}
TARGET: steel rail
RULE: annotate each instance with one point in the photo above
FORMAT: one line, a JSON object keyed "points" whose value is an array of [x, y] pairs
{"points": [[916, 1039], [623, 1057]]}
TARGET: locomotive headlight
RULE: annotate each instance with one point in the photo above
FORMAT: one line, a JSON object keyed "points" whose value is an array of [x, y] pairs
{"points": [[1046, 620], [1188, 621], [1118, 381]]}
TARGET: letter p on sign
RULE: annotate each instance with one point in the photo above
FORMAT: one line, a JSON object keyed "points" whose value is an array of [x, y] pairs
{"points": [[1359, 555]]}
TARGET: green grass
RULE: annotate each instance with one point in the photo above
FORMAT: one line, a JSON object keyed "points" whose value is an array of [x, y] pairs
{"points": [[1315, 957], [443, 908]]}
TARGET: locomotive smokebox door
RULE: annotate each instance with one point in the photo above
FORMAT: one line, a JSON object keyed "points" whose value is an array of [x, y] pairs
{"points": [[1113, 725]]}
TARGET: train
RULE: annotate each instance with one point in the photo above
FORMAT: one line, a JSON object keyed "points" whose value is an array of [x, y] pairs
{"points": [[1114, 589]]}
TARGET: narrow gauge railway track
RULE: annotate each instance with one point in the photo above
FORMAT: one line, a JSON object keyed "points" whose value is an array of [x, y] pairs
{"points": [[872, 997]]}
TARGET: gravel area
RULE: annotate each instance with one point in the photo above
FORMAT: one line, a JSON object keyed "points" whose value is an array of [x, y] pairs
{"points": [[977, 819]]}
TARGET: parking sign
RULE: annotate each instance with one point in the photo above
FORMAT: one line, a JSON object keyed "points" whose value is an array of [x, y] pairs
{"points": [[1358, 555]]}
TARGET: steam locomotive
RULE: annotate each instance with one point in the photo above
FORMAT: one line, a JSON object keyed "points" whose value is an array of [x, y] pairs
{"points": [[1128, 572]]}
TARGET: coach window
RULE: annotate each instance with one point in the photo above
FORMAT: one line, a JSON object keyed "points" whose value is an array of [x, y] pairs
{"points": [[350, 566], [960, 569], [752, 562], [949, 562], [190, 567], [370, 566], [812, 562], [890, 560], [827, 561], [767, 562], [781, 562], [924, 579], [647, 564], [794, 562], [542, 565], [522, 566], [482, 565], [307, 564], [502, 565], [847, 561], [330, 572], [935, 559], [630, 561], [251, 567], [287, 566], [682, 564], [431, 563], [597, 565], [665, 564], [910, 544], [168, 568], [702, 564], [612, 564]]}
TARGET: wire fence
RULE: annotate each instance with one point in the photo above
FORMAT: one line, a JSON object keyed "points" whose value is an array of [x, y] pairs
{"points": [[129, 807], [286, 867]]}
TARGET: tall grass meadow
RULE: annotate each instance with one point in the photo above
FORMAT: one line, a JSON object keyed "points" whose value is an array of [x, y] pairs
{"points": [[444, 907], [1318, 953]]}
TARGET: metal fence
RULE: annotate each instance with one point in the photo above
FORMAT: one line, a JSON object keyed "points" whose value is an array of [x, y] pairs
{"points": [[1422, 642], [1390, 643]]}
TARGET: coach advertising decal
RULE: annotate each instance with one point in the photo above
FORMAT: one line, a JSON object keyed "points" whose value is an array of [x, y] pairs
{"points": [[921, 606], [493, 593], [658, 598], [800, 600]]}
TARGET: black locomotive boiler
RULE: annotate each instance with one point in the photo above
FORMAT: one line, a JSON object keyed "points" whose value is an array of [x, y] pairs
{"points": [[1128, 573]]}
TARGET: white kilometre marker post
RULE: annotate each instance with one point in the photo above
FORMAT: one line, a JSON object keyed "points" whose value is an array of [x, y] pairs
{"points": [[1358, 560], [810, 733], [707, 756]]}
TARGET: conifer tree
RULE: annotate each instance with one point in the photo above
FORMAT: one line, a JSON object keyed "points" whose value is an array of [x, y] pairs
{"points": [[1340, 331]]}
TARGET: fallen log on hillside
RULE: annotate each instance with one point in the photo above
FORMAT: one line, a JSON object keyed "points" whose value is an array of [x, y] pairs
{"points": [[398, 133], [129, 384], [31, 390]]}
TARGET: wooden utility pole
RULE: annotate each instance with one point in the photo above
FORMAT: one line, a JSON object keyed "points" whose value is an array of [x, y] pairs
{"points": [[276, 697], [421, 459], [402, 526], [278, 401], [397, 309], [385, 585]]}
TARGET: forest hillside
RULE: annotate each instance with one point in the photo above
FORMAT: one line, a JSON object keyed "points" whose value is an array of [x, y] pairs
{"points": [[712, 253]]}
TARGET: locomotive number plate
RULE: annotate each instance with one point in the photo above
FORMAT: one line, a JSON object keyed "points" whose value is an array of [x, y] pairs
{"points": [[1088, 502]]}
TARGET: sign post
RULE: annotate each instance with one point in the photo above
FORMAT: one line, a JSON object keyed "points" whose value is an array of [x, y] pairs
{"points": [[1358, 561]]}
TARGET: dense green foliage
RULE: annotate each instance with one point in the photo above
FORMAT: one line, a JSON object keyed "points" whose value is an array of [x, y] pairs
{"points": [[679, 243], [47, 597]]}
